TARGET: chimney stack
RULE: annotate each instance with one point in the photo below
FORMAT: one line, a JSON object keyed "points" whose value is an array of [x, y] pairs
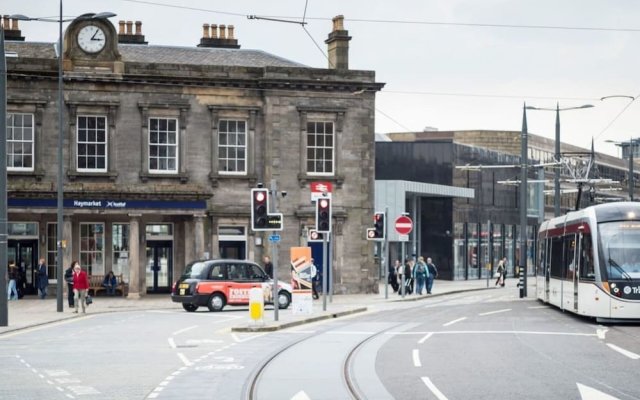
{"points": [[11, 30], [220, 36], [338, 45], [127, 35]]}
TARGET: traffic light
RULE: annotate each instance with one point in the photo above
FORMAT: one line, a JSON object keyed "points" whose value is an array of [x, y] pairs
{"points": [[379, 225], [259, 209], [323, 215]]}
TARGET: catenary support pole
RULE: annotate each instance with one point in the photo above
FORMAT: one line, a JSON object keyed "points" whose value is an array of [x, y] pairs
{"points": [[324, 272], [523, 206], [556, 176], [60, 203]]}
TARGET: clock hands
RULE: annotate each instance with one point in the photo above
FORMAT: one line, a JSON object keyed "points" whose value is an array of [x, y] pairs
{"points": [[94, 36]]}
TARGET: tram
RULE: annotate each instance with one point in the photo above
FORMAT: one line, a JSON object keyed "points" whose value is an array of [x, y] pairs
{"points": [[589, 262]]}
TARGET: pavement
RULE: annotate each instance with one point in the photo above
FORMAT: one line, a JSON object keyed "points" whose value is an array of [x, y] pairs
{"points": [[30, 311]]}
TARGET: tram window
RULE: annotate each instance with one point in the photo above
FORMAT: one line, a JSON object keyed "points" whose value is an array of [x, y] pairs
{"points": [[556, 257], [542, 255], [587, 269], [569, 257]]}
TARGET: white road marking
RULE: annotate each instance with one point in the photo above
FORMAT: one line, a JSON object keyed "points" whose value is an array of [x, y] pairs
{"points": [[83, 390], [296, 331], [172, 343], [184, 359], [601, 333], [184, 330], [203, 341], [495, 312], [46, 326], [589, 393], [424, 339], [433, 388], [70, 396], [238, 340], [350, 333], [454, 321], [622, 351], [301, 395], [416, 358], [152, 396], [492, 333]]}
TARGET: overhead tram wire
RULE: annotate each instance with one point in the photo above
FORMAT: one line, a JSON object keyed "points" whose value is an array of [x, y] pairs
{"points": [[405, 22], [616, 117]]}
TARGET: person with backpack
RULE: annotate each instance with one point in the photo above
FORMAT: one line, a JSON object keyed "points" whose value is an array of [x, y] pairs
{"points": [[420, 274], [433, 273]]}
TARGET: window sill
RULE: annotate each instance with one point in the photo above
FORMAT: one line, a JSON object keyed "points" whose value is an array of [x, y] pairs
{"points": [[145, 176], [216, 178], [304, 179], [73, 175], [39, 174]]}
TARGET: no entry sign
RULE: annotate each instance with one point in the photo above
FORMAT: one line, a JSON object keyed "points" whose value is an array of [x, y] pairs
{"points": [[404, 225]]}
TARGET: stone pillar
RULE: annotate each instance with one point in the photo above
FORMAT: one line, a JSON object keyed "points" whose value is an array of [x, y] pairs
{"points": [[134, 256], [189, 241], [199, 233]]}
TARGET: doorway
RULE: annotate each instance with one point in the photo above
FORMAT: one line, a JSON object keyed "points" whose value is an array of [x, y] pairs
{"points": [[159, 266], [233, 250], [25, 254]]}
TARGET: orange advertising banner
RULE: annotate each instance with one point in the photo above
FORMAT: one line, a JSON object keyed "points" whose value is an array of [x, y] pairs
{"points": [[301, 268]]}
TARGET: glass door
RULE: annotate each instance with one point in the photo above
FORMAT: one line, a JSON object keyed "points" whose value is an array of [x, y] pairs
{"points": [[25, 254], [159, 266]]}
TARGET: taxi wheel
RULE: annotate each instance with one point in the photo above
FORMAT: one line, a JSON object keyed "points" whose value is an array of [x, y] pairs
{"points": [[216, 302], [284, 299], [189, 307]]}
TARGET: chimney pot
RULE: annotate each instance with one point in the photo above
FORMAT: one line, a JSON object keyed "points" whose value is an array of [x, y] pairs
{"points": [[338, 23], [121, 27], [223, 32], [214, 31], [14, 25], [230, 31], [129, 28], [6, 24], [138, 27], [205, 31]]}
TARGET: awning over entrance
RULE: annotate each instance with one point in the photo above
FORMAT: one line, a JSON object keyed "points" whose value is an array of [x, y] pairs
{"points": [[393, 194]]}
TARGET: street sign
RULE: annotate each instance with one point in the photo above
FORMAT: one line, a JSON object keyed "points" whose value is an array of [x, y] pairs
{"points": [[319, 189], [314, 236], [274, 238], [403, 225]]}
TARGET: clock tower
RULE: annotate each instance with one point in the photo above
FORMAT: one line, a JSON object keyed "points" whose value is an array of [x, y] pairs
{"points": [[91, 45]]}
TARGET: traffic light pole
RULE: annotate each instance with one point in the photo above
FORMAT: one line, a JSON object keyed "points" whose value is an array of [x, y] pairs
{"points": [[385, 258], [274, 251], [324, 272]]}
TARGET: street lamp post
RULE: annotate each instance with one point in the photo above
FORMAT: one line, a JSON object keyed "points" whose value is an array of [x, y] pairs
{"points": [[60, 192], [556, 180], [4, 319], [523, 204]]}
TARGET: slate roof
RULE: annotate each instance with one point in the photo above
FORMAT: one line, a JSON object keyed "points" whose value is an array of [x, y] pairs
{"points": [[168, 55]]}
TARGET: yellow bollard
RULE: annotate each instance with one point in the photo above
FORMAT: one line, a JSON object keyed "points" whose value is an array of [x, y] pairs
{"points": [[256, 305]]}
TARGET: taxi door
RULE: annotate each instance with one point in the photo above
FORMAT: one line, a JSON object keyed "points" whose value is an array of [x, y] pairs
{"points": [[242, 277]]}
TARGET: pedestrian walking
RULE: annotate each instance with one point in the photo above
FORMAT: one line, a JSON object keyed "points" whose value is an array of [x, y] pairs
{"points": [[420, 274], [80, 287], [393, 275], [12, 275], [68, 277], [504, 271], [408, 275], [314, 276], [42, 279], [268, 266], [433, 274]]}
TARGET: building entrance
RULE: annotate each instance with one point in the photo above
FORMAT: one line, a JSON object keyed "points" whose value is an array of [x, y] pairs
{"points": [[25, 254], [159, 266]]}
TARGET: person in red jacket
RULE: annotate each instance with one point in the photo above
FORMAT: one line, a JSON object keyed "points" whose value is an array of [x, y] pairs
{"points": [[80, 286]]}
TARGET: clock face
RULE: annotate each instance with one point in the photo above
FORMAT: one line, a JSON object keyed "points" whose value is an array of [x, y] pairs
{"points": [[91, 39]]}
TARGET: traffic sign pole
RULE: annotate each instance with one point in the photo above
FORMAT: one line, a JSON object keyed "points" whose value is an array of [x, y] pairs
{"points": [[274, 252], [385, 260]]}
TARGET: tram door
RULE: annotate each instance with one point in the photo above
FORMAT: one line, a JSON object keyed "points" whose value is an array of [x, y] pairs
{"points": [[25, 254], [547, 270], [576, 276]]}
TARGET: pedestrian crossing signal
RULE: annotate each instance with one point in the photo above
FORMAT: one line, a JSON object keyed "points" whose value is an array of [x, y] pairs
{"points": [[378, 232]]}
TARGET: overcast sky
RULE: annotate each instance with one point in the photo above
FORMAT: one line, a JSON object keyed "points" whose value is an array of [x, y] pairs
{"points": [[441, 69]]}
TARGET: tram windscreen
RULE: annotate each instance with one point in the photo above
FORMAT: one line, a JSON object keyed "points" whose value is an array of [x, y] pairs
{"points": [[621, 247]]}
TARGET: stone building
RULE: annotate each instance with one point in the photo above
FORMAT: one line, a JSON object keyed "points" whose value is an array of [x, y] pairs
{"points": [[163, 144]]}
